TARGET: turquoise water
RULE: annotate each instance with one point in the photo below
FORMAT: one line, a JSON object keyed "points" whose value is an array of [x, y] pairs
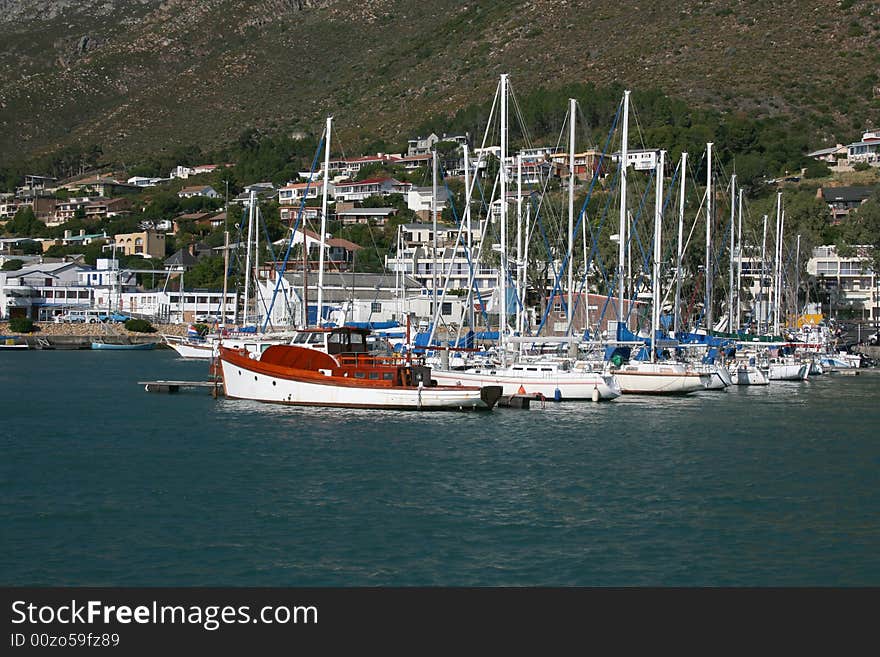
{"points": [[102, 483]]}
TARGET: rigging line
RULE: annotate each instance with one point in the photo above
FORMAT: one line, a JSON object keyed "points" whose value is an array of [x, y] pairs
{"points": [[299, 216]]}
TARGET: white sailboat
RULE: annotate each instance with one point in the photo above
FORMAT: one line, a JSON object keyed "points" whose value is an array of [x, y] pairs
{"points": [[654, 378]]}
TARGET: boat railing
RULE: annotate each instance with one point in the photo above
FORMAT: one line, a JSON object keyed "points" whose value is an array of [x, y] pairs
{"points": [[370, 361]]}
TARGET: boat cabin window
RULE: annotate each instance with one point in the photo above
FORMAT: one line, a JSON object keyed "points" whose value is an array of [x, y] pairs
{"points": [[300, 338], [251, 348], [546, 369], [388, 376], [314, 338], [532, 369], [263, 347], [360, 375], [374, 375]]}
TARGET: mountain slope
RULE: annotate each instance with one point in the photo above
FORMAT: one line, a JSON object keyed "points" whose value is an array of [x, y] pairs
{"points": [[140, 76]]}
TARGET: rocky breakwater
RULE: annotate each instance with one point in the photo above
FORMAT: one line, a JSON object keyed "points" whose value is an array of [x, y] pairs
{"points": [[47, 335]]}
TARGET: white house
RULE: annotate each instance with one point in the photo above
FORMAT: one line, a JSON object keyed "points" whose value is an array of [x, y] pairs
{"points": [[362, 189], [198, 190], [293, 193], [37, 290]]}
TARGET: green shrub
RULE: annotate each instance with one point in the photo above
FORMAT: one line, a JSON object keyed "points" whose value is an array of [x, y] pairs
{"points": [[861, 166], [139, 326], [21, 325], [12, 265]]}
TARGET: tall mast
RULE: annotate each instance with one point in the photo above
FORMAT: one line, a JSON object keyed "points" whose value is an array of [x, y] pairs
{"points": [[258, 293], [434, 229], [247, 267], [739, 248], [320, 315], [765, 306], [730, 264], [470, 239], [519, 265], [621, 234], [776, 252], [572, 108], [677, 313], [655, 278], [502, 172], [779, 306], [709, 322], [797, 278]]}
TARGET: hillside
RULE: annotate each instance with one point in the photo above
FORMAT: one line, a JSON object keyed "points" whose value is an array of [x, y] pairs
{"points": [[145, 76]]}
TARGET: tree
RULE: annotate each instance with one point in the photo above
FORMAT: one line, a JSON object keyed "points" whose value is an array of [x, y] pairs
{"points": [[12, 265], [25, 223]]}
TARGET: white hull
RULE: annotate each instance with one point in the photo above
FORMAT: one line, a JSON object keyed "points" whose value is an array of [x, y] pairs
{"points": [[239, 382], [750, 376], [660, 379], [184, 349], [789, 372], [571, 385]]}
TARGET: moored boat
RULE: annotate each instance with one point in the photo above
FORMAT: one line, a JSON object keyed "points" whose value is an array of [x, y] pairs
{"points": [[544, 379], [113, 346], [287, 374], [660, 379]]}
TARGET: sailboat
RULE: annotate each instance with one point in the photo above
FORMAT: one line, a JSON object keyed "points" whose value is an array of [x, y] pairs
{"points": [[649, 377], [558, 380]]}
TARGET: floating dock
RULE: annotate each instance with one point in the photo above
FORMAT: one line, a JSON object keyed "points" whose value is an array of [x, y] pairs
{"points": [[175, 386]]}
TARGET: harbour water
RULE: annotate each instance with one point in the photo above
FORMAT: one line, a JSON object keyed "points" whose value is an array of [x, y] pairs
{"points": [[103, 484]]}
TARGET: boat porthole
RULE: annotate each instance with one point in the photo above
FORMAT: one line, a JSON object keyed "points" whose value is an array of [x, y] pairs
{"points": [[239, 372], [255, 378], [273, 383]]}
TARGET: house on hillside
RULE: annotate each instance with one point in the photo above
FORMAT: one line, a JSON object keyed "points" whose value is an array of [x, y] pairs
{"points": [[148, 243], [831, 155], [867, 150], [293, 193], [362, 189], [104, 208], [198, 190], [374, 216], [841, 200], [419, 200]]}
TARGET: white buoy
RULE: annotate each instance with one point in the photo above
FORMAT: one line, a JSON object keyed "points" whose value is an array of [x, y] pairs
{"points": [[595, 394]]}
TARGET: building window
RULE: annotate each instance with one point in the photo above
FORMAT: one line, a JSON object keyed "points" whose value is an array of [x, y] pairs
{"points": [[446, 308], [375, 307], [557, 307], [826, 267]]}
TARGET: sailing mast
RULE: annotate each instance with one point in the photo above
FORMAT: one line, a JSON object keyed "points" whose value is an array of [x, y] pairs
{"points": [[320, 315], [708, 313], [621, 247], [730, 264], [519, 265], [739, 248], [470, 239], [677, 313], [502, 311], [797, 278], [655, 283], [572, 105], [777, 252], [764, 302], [247, 267], [434, 229]]}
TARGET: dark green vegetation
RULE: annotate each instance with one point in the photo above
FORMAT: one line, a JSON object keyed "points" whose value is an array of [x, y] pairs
{"points": [[21, 325], [139, 326]]}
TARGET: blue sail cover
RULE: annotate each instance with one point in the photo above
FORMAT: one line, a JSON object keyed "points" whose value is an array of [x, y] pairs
{"points": [[373, 326]]}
